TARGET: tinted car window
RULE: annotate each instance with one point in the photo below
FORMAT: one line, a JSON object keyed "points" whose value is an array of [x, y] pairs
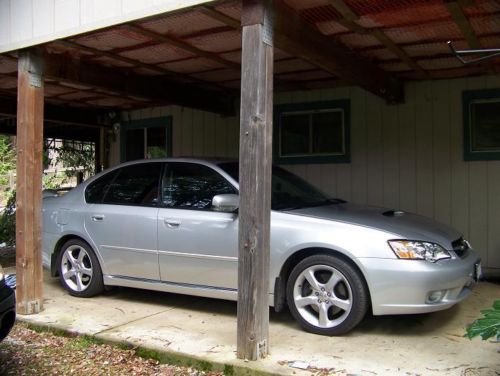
{"points": [[135, 185], [192, 186], [98, 188], [288, 190]]}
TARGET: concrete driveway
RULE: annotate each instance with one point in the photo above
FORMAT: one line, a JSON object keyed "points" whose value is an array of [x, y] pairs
{"points": [[185, 328]]}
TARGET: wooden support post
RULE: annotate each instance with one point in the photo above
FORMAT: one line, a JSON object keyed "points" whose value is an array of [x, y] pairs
{"points": [[255, 179], [29, 182], [99, 151]]}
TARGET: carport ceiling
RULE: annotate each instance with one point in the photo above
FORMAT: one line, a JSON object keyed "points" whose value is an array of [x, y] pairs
{"points": [[192, 57]]}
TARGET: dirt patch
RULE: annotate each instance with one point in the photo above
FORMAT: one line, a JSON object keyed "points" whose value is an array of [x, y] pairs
{"points": [[27, 352]]}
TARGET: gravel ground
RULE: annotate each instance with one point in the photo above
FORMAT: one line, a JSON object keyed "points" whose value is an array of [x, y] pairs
{"points": [[27, 352]]}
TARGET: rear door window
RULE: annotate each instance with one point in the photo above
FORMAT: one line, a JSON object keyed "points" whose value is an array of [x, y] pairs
{"points": [[135, 185]]}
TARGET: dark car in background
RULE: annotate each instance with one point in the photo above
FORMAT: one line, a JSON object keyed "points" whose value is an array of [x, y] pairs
{"points": [[7, 307]]}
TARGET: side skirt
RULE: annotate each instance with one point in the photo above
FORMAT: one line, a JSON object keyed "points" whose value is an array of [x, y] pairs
{"points": [[177, 288]]}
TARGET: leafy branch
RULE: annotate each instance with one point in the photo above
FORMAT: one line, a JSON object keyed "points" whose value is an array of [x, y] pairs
{"points": [[487, 326]]}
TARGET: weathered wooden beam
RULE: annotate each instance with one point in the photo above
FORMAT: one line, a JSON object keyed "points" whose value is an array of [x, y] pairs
{"points": [[463, 24], [460, 19], [295, 36], [58, 114], [182, 45], [113, 56], [255, 180], [349, 22], [219, 16], [399, 52], [63, 68], [29, 183], [166, 73], [298, 38], [344, 10]]}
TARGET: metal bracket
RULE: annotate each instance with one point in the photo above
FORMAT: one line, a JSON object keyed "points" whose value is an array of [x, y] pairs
{"points": [[36, 80], [491, 53], [268, 28]]}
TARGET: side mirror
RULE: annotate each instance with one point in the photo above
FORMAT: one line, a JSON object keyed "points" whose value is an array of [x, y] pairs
{"points": [[226, 203]]}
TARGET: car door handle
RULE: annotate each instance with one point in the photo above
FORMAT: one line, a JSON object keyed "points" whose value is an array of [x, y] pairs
{"points": [[172, 223], [97, 217]]}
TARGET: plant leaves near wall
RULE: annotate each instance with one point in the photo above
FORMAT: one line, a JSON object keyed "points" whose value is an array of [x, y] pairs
{"points": [[487, 326]]}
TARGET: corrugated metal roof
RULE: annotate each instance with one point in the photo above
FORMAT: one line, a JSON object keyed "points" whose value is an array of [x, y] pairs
{"points": [[419, 28]]}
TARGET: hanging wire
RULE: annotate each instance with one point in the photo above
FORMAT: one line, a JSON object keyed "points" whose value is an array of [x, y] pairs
{"points": [[460, 54]]}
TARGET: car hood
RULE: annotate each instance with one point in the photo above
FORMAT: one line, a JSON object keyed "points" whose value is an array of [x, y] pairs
{"points": [[402, 224]]}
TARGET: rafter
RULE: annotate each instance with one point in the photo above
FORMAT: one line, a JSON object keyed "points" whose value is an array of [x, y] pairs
{"points": [[123, 59], [293, 35], [344, 10], [349, 22], [182, 45], [457, 13], [58, 114], [455, 7], [157, 89], [137, 63], [219, 16]]}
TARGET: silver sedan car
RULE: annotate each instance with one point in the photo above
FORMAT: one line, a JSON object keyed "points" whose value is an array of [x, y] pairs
{"points": [[172, 225]]}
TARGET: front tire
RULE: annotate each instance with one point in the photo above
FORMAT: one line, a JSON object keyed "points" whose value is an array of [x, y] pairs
{"points": [[326, 295], [79, 270]]}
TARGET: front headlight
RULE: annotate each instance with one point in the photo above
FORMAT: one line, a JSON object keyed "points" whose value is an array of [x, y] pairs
{"points": [[418, 250]]}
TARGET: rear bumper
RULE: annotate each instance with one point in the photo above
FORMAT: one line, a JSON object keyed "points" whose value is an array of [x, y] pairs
{"points": [[7, 310], [415, 286]]}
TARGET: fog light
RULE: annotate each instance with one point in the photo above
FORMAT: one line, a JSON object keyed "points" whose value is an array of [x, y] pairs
{"points": [[435, 296]]}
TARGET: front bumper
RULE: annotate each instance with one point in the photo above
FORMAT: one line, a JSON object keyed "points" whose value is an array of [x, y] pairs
{"points": [[412, 286], [7, 309]]}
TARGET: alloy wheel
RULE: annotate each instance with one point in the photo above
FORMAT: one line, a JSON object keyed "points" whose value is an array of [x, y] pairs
{"points": [[322, 296], [76, 268]]}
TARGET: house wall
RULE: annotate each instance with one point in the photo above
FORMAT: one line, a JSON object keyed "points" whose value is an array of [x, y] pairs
{"points": [[25, 23], [407, 156]]}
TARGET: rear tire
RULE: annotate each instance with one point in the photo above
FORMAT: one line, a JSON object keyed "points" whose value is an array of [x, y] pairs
{"points": [[327, 295], [79, 270]]}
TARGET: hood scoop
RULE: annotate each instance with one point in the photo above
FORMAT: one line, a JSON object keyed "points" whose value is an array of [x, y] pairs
{"points": [[393, 213]]}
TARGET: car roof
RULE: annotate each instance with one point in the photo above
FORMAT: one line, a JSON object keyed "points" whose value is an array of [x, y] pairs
{"points": [[202, 160]]}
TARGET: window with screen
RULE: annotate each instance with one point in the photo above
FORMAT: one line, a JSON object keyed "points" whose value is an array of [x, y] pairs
{"points": [[315, 132], [146, 139], [481, 125]]}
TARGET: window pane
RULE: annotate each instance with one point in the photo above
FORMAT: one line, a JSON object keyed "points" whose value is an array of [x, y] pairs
{"points": [[135, 185], [134, 144], [328, 133], [96, 190], [192, 186], [485, 131], [294, 134], [287, 189], [157, 142]]}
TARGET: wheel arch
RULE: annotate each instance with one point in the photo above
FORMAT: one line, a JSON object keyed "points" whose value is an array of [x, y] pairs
{"points": [[54, 270], [298, 256]]}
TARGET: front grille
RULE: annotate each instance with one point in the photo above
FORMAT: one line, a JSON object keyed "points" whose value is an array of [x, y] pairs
{"points": [[460, 247]]}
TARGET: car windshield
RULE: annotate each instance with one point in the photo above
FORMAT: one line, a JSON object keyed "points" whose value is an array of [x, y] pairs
{"points": [[289, 191]]}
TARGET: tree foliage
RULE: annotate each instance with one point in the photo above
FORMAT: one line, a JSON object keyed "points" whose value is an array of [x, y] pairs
{"points": [[67, 156], [8, 222], [74, 160], [487, 326], [7, 158]]}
